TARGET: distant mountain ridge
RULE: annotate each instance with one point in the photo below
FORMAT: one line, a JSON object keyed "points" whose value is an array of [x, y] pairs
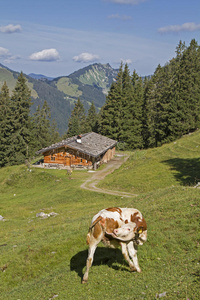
{"points": [[90, 84], [40, 76]]}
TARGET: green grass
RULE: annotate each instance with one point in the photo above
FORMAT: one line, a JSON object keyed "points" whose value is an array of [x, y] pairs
{"points": [[6, 75], [42, 258], [174, 164], [64, 84], [94, 77]]}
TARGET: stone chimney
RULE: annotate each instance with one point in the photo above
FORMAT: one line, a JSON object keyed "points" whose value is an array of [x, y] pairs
{"points": [[78, 139]]}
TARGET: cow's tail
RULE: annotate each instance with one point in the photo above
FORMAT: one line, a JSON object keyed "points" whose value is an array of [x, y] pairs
{"points": [[88, 238], [90, 229]]}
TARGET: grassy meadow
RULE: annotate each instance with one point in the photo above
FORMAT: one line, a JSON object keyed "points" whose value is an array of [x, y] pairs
{"points": [[45, 258], [174, 164]]}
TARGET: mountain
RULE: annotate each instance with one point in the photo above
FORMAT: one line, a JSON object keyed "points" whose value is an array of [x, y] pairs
{"points": [[40, 76], [90, 84], [41, 91]]}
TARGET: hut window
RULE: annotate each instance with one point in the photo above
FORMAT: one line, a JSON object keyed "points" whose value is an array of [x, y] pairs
{"points": [[52, 158]]}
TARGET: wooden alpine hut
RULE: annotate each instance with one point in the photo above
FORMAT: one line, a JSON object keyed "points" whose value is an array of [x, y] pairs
{"points": [[88, 150]]}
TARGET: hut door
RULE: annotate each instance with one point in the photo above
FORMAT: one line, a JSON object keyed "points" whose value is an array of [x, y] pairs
{"points": [[68, 161]]}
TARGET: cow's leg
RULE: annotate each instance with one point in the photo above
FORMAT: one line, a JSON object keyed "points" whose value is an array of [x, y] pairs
{"points": [[94, 237], [132, 250], [91, 251], [126, 256]]}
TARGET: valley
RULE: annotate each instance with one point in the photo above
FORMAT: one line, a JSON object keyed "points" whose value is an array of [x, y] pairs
{"points": [[90, 84]]}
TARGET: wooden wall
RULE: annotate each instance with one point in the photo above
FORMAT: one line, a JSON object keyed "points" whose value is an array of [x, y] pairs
{"points": [[73, 158], [67, 158], [108, 155]]}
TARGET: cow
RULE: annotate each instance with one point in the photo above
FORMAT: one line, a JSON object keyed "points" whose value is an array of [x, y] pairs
{"points": [[116, 227]]}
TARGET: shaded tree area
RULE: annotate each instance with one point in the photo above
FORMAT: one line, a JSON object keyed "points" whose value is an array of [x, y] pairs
{"points": [[20, 134], [186, 170]]}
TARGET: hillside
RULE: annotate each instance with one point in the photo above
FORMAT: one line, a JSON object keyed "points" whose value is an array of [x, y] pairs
{"points": [[90, 84], [41, 91], [173, 164], [45, 258]]}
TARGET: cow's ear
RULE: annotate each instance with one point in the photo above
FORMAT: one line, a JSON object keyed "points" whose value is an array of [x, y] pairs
{"points": [[140, 230]]}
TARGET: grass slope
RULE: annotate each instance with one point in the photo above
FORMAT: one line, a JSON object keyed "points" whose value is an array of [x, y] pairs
{"points": [[65, 85], [11, 78], [174, 164], [43, 258]]}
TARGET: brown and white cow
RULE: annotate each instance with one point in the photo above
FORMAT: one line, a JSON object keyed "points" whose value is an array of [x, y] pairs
{"points": [[116, 227]]}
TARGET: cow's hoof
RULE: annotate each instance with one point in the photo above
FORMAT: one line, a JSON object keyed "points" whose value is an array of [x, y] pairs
{"points": [[84, 281]]}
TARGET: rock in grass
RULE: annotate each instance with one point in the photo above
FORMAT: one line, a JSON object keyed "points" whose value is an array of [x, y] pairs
{"points": [[45, 216], [1, 218], [53, 214], [42, 215], [161, 295]]}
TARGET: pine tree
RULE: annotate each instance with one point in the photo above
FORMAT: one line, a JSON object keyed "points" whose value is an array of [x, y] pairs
{"points": [[110, 114], [77, 121], [21, 122], [176, 104], [55, 136], [149, 113], [138, 101], [132, 101], [5, 128], [43, 134], [185, 90], [172, 106], [162, 106], [190, 93], [126, 111], [91, 120], [121, 116]]}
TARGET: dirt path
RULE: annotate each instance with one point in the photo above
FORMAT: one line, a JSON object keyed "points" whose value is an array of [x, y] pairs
{"points": [[90, 184]]}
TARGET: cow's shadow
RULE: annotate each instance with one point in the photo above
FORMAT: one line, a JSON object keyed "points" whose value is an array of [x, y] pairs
{"points": [[102, 256]]}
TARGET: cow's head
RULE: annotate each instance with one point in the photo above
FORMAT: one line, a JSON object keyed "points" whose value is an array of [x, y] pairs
{"points": [[125, 233], [141, 236]]}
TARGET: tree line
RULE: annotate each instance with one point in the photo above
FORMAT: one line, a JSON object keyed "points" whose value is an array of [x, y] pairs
{"points": [[20, 133], [138, 112]]}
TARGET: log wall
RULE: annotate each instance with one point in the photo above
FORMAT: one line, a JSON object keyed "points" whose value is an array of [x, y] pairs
{"points": [[73, 158]]}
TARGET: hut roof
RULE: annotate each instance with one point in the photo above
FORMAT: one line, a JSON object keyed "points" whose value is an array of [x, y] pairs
{"points": [[92, 144]]}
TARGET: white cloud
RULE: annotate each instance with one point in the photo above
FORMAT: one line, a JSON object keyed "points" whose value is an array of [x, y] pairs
{"points": [[117, 16], [86, 57], [132, 2], [145, 54], [4, 52], [177, 28], [45, 55], [10, 28], [7, 56], [11, 58], [126, 61]]}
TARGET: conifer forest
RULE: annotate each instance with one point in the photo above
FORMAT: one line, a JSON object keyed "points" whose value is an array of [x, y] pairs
{"points": [[138, 112]]}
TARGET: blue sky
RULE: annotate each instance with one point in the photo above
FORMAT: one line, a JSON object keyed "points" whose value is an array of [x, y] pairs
{"points": [[58, 37]]}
